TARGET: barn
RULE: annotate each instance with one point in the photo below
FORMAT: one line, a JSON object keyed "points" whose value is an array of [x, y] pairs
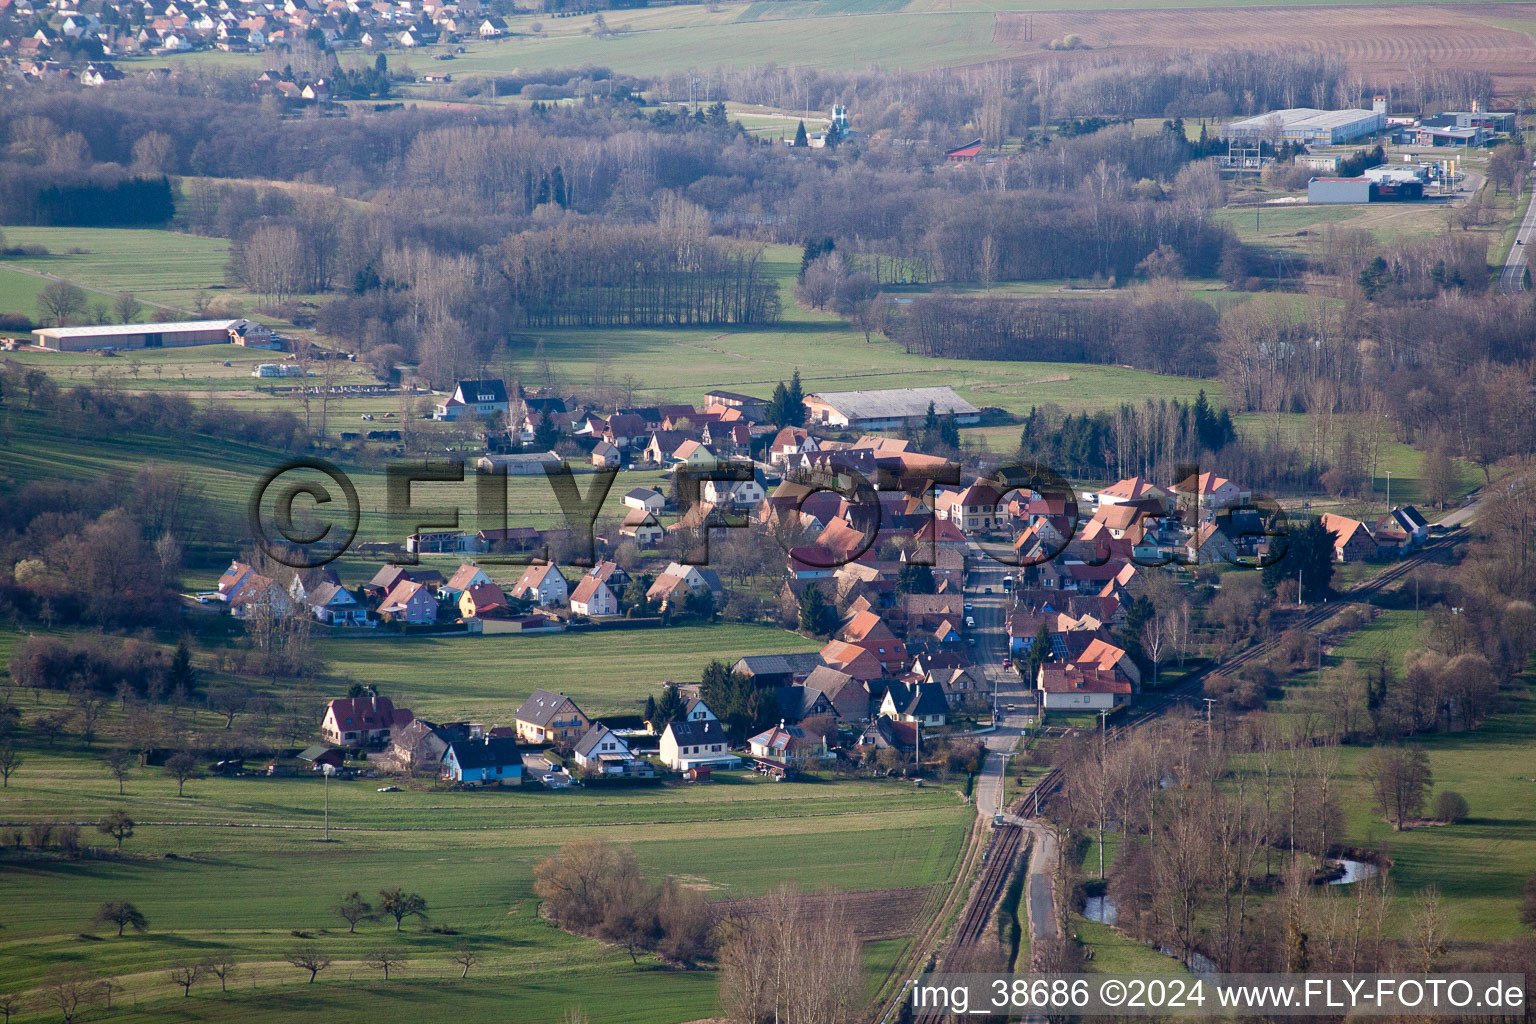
{"points": [[170, 335]]}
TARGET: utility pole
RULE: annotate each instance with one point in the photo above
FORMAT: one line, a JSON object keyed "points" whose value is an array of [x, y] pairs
{"points": [[1389, 490], [1298, 589], [326, 773], [1209, 703]]}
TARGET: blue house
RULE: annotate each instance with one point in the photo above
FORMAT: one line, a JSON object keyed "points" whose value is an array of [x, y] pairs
{"points": [[483, 760]]}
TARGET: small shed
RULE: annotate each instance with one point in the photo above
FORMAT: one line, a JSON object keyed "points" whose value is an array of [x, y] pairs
{"points": [[319, 755], [699, 773]]}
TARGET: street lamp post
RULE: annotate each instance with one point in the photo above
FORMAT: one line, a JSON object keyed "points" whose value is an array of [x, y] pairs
{"points": [[326, 772]]}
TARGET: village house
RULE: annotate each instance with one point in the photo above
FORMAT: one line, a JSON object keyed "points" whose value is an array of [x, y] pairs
{"points": [[410, 603], [694, 744], [1131, 489], [920, 703], [593, 597], [464, 577], [418, 746], [788, 745], [483, 760], [484, 601], [543, 585], [362, 721], [334, 605], [481, 398], [1352, 539], [1071, 687], [1209, 492], [641, 528], [547, 717], [606, 456], [604, 751]]}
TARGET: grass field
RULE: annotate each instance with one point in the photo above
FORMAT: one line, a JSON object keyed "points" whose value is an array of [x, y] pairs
{"points": [[488, 677], [163, 269], [852, 35], [1481, 865], [256, 870]]}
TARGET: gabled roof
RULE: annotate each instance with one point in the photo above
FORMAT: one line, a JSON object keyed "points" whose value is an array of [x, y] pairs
{"points": [[462, 577], [543, 706], [586, 590], [479, 391], [918, 699], [486, 595], [594, 736], [368, 713], [534, 576], [693, 733], [488, 752]]}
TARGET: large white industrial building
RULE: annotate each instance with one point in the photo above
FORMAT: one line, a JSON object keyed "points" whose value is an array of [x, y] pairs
{"points": [[163, 335], [1309, 126]]}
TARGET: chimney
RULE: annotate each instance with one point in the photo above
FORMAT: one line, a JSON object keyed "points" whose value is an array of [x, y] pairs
{"points": [[1379, 104]]}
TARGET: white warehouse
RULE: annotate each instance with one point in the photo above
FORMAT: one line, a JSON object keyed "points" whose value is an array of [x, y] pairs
{"points": [[1309, 126]]}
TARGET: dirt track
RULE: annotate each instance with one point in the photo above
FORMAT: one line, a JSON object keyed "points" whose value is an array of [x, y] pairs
{"points": [[1382, 43]]}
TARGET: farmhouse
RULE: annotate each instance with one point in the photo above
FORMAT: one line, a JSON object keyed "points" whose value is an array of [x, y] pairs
{"points": [[167, 335], [1352, 540], [547, 717], [887, 410]]}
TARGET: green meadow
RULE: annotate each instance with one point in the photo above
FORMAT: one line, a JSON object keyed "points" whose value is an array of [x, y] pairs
{"points": [[241, 866]]}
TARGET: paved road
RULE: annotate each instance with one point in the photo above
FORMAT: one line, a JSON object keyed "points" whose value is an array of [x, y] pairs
{"points": [[988, 604], [1512, 280]]}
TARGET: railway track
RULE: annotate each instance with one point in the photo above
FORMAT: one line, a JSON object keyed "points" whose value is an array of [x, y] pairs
{"points": [[1004, 848], [1000, 857]]}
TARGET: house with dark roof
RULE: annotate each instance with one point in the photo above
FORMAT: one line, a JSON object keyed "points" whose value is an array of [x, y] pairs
{"points": [[548, 717], [334, 605], [797, 703], [483, 760], [921, 703], [694, 744], [777, 669], [482, 398], [604, 751]]}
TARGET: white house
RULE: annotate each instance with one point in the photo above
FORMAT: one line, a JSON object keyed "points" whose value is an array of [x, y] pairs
{"points": [[603, 750], [334, 605], [543, 585], [687, 745], [594, 597], [483, 398], [646, 500]]}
